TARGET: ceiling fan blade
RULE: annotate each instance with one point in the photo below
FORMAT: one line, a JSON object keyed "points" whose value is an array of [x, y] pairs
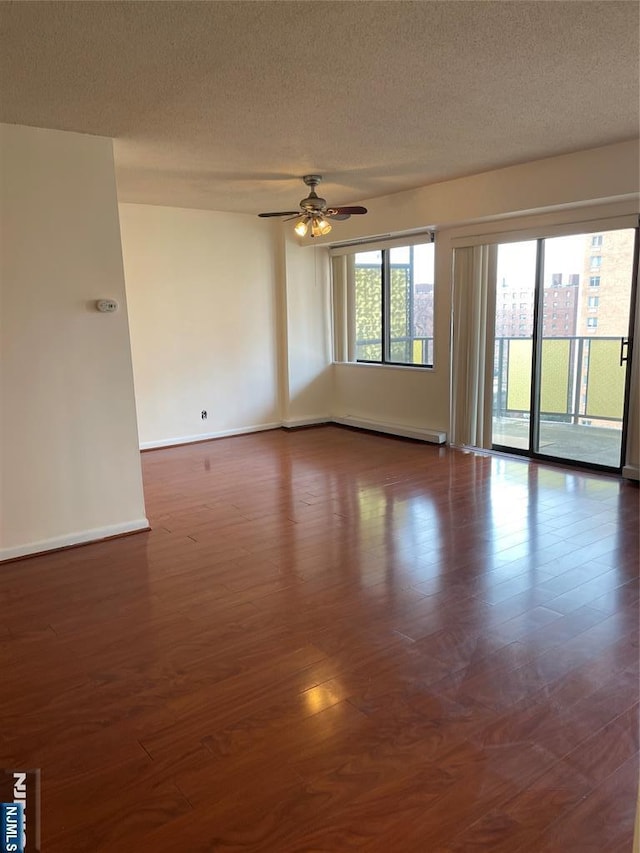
{"points": [[350, 210], [314, 211], [281, 213]]}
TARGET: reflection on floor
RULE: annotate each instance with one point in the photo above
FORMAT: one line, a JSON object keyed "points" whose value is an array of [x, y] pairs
{"points": [[335, 641]]}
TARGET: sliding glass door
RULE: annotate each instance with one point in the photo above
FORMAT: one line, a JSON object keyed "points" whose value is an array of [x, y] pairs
{"points": [[512, 364], [563, 314]]}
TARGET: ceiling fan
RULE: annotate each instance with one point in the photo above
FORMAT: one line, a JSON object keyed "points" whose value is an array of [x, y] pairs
{"points": [[314, 212]]}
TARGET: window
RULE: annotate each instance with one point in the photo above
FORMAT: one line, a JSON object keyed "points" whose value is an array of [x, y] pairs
{"points": [[368, 276], [596, 260], [394, 305], [593, 301], [596, 240], [592, 322], [594, 281]]}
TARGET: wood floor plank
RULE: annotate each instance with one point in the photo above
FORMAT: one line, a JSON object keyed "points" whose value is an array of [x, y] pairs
{"points": [[520, 819], [601, 823], [334, 641]]}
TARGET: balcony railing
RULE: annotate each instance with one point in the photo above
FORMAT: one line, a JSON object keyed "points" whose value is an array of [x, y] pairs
{"points": [[403, 350], [581, 379]]}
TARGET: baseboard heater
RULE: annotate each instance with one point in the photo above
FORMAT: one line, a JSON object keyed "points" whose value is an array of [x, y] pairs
{"points": [[431, 436]]}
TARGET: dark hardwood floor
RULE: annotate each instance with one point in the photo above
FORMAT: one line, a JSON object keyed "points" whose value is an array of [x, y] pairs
{"points": [[333, 641]]}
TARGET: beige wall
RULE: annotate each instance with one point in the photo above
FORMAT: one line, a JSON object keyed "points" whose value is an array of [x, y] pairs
{"points": [[228, 314], [309, 378], [201, 288], [171, 256], [551, 191], [572, 180], [417, 398], [69, 460]]}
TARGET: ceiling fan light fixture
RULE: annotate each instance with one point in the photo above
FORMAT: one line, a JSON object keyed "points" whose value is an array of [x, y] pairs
{"points": [[301, 227], [324, 225], [314, 213], [320, 226]]}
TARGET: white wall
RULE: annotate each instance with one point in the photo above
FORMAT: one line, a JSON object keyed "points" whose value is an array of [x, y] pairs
{"points": [[391, 396], [228, 314], [572, 180], [201, 288], [416, 398], [69, 461], [556, 189], [309, 379], [179, 264]]}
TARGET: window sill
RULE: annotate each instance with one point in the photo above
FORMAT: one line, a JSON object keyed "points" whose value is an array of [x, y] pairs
{"points": [[415, 368]]}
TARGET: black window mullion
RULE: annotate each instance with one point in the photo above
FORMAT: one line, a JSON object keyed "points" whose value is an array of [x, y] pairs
{"points": [[410, 307], [536, 354], [630, 354], [383, 321], [386, 307]]}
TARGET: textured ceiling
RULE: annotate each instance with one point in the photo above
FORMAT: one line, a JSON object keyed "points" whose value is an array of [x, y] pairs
{"points": [[224, 105]]}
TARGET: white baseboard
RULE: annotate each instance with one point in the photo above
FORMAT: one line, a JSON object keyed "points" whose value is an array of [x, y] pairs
{"points": [[292, 423], [432, 436], [206, 436], [631, 472], [80, 538]]}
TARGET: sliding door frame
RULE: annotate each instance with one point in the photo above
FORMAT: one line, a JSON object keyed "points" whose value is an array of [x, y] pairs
{"points": [[533, 451], [633, 307]]}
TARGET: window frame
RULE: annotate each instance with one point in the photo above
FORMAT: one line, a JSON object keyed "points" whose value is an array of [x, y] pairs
{"points": [[385, 309]]}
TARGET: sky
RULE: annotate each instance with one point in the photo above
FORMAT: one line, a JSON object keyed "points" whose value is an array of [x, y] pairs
{"points": [[517, 261], [423, 256]]}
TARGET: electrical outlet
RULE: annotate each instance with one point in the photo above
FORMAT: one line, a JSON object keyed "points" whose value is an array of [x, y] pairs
{"points": [[203, 414], [107, 306]]}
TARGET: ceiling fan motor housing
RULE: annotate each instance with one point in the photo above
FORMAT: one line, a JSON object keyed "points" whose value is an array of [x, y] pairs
{"points": [[313, 209], [313, 203]]}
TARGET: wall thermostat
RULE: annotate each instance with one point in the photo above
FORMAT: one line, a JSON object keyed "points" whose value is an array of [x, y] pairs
{"points": [[107, 306]]}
